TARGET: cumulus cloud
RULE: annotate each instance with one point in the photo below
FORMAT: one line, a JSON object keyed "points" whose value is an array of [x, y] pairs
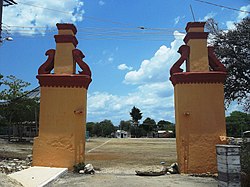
{"points": [[230, 25], [44, 13], [153, 103], [153, 95], [209, 15], [124, 67], [241, 15], [101, 3], [157, 68]]}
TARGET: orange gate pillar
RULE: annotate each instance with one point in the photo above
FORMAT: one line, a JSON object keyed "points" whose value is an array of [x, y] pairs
{"points": [[62, 122], [199, 102]]}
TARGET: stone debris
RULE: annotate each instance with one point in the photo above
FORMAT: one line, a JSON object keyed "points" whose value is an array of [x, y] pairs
{"points": [[9, 165], [208, 174], [173, 169], [88, 169]]}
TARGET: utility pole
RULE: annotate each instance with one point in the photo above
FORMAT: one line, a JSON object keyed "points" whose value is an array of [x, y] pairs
{"points": [[1, 13], [4, 3]]}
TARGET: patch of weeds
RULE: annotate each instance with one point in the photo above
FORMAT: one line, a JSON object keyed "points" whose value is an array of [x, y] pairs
{"points": [[78, 167]]}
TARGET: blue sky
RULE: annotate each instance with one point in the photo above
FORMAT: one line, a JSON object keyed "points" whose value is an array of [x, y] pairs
{"points": [[130, 66]]}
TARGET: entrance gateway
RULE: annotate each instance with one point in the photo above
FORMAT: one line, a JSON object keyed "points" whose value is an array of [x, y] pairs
{"points": [[199, 103]]}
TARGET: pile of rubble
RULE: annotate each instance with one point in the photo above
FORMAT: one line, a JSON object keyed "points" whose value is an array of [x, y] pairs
{"points": [[208, 174], [9, 165], [172, 169]]}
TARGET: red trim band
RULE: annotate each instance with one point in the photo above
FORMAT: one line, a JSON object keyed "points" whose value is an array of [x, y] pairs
{"points": [[198, 77], [56, 80], [66, 26], [195, 35], [66, 39], [194, 24]]}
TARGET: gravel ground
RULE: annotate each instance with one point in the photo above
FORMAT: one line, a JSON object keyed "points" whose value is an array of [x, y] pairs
{"points": [[118, 160], [6, 181], [131, 180]]}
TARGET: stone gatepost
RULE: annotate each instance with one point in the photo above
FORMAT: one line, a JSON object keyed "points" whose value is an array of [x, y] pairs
{"points": [[62, 122], [199, 102], [229, 168]]}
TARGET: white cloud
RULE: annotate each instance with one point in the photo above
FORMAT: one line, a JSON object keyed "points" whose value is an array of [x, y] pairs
{"points": [[176, 20], [111, 59], [152, 100], [101, 3], [27, 15], [124, 67], [157, 68], [230, 24], [243, 14], [209, 15], [153, 96]]}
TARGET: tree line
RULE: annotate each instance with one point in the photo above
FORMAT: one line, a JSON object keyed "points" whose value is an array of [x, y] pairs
{"points": [[106, 128]]}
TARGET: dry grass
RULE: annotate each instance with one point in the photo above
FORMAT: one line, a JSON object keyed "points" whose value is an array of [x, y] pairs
{"points": [[130, 153], [126, 155], [14, 150]]}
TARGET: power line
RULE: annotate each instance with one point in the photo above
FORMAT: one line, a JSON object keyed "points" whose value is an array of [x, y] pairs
{"points": [[91, 17], [222, 6], [87, 17]]}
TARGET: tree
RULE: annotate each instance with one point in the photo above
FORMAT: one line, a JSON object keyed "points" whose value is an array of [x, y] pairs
{"points": [[237, 123], [15, 88], [90, 126], [19, 108], [107, 128], [165, 125], [125, 125], [149, 125], [136, 116], [1, 76], [232, 49]]}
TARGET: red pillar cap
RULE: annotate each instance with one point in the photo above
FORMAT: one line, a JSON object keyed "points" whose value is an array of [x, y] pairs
{"points": [[194, 24], [66, 26]]}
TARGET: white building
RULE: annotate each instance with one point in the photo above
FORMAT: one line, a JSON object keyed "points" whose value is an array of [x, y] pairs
{"points": [[121, 134]]}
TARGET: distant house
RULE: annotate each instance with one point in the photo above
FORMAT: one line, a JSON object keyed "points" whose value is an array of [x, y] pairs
{"points": [[121, 134], [164, 134]]}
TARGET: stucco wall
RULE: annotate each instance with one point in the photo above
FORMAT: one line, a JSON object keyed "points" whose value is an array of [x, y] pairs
{"points": [[61, 141], [200, 121]]}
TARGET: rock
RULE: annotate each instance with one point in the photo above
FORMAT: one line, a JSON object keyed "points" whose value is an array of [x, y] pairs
{"points": [[24, 167], [12, 164], [89, 169], [29, 157], [174, 169], [81, 172], [164, 169]]}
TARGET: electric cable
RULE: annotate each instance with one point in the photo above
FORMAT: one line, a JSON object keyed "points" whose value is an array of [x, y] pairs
{"points": [[222, 6]]}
